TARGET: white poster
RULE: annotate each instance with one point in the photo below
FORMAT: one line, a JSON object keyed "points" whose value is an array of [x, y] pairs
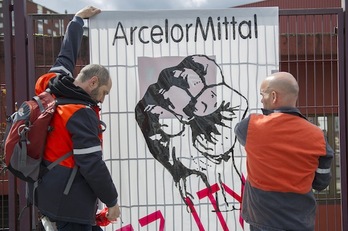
{"points": [[181, 79]]}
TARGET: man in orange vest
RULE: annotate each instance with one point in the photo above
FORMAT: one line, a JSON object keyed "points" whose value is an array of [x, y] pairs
{"points": [[287, 157], [70, 200]]}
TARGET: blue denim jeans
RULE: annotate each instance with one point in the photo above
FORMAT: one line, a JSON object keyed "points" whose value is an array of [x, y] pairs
{"points": [[69, 226]]}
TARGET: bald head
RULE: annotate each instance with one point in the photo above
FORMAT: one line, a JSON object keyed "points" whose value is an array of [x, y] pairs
{"points": [[279, 90]]}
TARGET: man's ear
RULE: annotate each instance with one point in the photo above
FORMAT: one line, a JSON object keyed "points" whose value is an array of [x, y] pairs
{"points": [[93, 82], [274, 96]]}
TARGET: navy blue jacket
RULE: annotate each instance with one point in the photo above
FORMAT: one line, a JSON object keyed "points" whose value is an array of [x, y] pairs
{"points": [[76, 129]]}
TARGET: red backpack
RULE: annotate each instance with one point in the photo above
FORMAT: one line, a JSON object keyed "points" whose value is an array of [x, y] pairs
{"points": [[26, 133]]}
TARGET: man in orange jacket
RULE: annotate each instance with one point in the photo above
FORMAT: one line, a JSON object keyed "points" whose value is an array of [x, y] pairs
{"points": [[287, 157], [77, 130]]}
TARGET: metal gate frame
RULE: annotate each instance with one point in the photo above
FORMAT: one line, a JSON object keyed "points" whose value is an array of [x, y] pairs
{"points": [[16, 60], [342, 69], [19, 57], [343, 102]]}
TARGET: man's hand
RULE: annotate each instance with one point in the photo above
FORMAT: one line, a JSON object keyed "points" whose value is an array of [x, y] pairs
{"points": [[113, 213], [87, 12]]}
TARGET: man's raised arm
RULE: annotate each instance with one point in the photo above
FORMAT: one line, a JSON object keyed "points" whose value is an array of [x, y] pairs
{"points": [[66, 60]]}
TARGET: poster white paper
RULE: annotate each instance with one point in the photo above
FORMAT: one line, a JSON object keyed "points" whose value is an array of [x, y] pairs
{"points": [[181, 79]]}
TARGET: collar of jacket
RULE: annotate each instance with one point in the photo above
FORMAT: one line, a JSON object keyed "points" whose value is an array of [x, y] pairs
{"points": [[63, 86], [287, 110]]}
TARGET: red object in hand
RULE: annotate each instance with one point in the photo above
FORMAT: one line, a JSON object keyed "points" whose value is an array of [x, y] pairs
{"points": [[101, 219]]}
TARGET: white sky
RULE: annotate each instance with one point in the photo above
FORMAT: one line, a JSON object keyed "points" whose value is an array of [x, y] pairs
{"points": [[72, 6]]}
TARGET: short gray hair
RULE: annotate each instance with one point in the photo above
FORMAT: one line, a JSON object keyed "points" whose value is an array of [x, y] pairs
{"points": [[91, 70]]}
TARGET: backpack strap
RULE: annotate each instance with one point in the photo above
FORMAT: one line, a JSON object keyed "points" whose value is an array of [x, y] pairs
{"points": [[72, 175], [57, 161], [38, 101], [70, 181], [22, 161], [52, 165]]}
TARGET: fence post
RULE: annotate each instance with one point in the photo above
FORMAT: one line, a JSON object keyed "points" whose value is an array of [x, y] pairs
{"points": [[343, 102]]}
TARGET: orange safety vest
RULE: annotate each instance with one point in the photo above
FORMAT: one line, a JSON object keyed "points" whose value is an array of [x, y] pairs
{"points": [[59, 140], [283, 152]]}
